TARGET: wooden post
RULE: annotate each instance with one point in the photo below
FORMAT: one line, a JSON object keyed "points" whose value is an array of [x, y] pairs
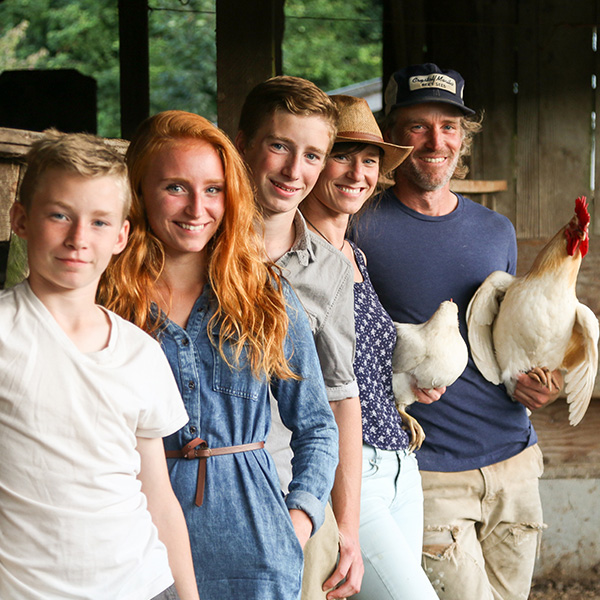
{"points": [[249, 36], [134, 64], [404, 31]]}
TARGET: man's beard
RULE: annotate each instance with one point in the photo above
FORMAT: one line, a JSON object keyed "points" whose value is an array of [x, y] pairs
{"points": [[428, 182]]}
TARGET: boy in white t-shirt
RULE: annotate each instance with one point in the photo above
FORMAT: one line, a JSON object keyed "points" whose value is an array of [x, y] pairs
{"points": [[86, 507]]}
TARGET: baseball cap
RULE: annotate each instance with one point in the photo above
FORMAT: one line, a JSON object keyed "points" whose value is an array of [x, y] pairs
{"points": [[425, 83]]}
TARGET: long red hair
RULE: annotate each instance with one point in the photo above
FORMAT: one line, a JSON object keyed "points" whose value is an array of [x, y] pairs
{"points": [[248, 290]]}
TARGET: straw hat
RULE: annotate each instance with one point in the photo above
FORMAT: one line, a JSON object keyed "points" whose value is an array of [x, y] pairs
{"points": [[357, 123]]}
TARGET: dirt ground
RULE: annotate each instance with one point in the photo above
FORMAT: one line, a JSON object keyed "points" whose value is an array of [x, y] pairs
{"points": [[550, 590], [560, 588]]}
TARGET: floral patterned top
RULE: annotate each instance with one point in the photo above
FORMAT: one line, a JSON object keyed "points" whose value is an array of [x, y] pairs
{"points": [[375, 342]]}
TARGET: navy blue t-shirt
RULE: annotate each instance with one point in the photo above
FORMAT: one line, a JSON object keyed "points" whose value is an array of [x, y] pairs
{"points": [[416, 262]]}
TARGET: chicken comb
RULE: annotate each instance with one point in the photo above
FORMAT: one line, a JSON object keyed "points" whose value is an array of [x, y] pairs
{"points": [[582, 212]]}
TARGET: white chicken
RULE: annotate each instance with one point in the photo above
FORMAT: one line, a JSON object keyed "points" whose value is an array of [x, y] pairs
{"points": [[535, 324], [427, 355]]}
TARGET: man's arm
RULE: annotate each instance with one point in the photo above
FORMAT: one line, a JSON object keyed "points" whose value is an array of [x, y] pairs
{"points": [[345, 499], [167, 515]]}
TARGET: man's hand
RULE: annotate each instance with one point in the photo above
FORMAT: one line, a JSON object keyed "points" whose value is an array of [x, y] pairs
{"points": [[428, 396], [350, 567], [533, 394]]}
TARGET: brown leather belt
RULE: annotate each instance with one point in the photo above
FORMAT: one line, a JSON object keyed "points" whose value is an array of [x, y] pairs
{"points": [[199, 449]]}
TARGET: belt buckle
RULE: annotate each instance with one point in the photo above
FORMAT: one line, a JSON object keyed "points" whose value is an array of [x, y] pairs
{"points": [[202, 447]]}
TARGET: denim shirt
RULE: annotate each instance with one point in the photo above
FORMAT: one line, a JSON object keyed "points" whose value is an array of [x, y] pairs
{"points": [[242, 539]]}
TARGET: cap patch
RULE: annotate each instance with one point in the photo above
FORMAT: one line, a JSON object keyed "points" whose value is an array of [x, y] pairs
{"points": [[433, 80]]}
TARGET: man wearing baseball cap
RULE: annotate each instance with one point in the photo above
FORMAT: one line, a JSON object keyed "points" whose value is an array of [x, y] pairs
{"points": [[424, 244]]}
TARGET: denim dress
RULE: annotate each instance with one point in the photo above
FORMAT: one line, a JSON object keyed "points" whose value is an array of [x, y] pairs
{"points": [[242, 538]]}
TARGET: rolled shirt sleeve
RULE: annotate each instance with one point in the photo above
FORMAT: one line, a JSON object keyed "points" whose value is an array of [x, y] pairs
{"points": [[305, 411]]}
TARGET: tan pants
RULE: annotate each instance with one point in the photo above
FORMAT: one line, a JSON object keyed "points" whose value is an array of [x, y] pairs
{"points": [[320, 558], [482, 529]]}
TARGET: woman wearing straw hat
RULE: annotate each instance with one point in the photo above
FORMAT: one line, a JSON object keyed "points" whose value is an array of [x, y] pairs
{"points": [[391, 515]]}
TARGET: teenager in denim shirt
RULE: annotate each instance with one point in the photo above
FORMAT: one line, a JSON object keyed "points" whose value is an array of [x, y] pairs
{"points": [[195, 276]]}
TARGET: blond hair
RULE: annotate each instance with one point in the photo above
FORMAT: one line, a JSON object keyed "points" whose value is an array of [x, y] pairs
{"points": [[79, 153], [251, 307]]}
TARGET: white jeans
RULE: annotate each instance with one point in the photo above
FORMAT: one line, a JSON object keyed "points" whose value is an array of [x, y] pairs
{"points": [[391, 527]]}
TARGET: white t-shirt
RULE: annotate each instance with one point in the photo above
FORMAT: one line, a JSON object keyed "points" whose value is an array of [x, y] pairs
{"points": [[73, 520]]}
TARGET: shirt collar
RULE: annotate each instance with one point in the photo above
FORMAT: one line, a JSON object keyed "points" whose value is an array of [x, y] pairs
{"points": [[303, 245]]}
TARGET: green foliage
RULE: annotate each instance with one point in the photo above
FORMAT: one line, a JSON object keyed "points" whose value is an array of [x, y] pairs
{"points": [[8, 50], [183, 55], [16, 269], [334, 43], [75, 34]]}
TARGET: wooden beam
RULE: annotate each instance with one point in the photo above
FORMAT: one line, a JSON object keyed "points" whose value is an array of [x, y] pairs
{"points": [[134, 64], [249, 36], [475, 186], [404, 30]]}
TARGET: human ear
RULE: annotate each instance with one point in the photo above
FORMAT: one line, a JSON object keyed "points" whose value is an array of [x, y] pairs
{"points": [[122, 238], [240, 142], [18, 220]]}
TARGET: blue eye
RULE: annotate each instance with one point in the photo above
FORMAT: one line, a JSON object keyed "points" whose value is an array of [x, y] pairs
{"points": [[175, 188], [213, 189], [99, 223], [342, 159]]}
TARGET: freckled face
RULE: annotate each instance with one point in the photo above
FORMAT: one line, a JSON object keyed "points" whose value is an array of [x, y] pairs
{"points": [[435, 132], [348, 180], [184, 194], [286, 155]]}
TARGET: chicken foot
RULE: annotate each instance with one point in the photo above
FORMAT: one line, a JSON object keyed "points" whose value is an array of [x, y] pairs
{"points": [[546, 377], [417, 435]]}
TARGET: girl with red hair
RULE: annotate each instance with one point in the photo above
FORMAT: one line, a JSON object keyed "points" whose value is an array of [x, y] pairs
{"points": [[195, 276]]}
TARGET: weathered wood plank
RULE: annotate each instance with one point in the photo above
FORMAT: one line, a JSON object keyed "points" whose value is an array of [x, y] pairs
{"points": [[249, 39], [9, 179], [493, 91], [476, 186], [595, 224], [403, 35], [566, 65], [527, 160], [569, 452], [14, 143]]}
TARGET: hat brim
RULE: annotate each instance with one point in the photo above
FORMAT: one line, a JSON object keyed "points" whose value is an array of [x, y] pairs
{"points": [[423, 100], [392, 155]]}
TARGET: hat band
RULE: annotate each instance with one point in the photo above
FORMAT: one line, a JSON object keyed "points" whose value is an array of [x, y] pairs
{"points": [[359, 135]]}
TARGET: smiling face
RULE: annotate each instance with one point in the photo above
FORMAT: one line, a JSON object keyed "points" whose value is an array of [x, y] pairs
{"points": [[434, 129], [73, 227], [286, 155], [348, 180], [183, 191]]}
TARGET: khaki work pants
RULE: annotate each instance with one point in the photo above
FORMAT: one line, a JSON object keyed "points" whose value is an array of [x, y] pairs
{"points": [[320, 558], [482, 529]]}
